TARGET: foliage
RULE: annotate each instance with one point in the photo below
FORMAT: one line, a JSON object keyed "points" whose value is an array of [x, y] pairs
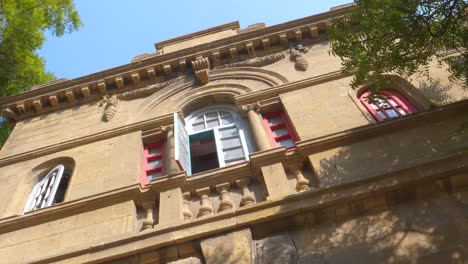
{"points": [[23, 24], [402, 37]]}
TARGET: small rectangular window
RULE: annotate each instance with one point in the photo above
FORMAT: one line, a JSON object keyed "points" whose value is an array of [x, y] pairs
{"points": [[153, 162], [279, 130]]}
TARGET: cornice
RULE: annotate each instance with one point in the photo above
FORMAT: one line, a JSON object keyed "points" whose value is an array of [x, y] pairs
{"points": [[162, 67]]}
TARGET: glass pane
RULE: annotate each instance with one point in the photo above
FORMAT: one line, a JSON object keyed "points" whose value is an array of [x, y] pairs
{"points": [[229, 132], [232, 142], [212, 123], [199, 119], [211, 115], [154, 151], [392, 102], [381, 114], [402, 112], [274, 120], [233, 153], [198, 127], [391, 113], [280, 131], [226, 120], [154, 164], [382, 102], [286, 142], [153, 175], [234, 162], [224, 113], [373, 106]]}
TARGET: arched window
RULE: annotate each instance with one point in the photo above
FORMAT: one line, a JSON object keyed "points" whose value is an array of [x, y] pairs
{"points": [[388, 104], [214, 137], [49, 190]]}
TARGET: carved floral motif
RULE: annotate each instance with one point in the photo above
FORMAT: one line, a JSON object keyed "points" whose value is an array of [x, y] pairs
{"points": [[257, 62], [110, 103], [295, 55]]}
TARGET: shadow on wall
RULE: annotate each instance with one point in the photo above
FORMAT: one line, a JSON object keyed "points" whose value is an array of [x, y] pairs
{"points": [[429, 231], [436, 92]]}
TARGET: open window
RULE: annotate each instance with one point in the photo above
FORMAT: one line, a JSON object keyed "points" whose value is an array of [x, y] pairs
{"points": [[388, 104], [49, 190], [210, 138], [279, 130]]}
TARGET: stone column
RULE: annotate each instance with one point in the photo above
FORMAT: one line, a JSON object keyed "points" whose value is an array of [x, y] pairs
{"points": [[186, 210], [260, 135], [247, 197], [206, 207], [226, 202], [148, 223], [170, 207], [170, 165], [302, 183]]}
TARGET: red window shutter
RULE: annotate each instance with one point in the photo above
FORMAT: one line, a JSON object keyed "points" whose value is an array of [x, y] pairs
{"points": [[387, 105], [153, 162], [279, 130]]}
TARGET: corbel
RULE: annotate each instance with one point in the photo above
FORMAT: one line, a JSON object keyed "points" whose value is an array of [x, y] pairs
{"points": [[298, 34], [313, 31], [135, 78], [37, 105], [21, 108], [167, 69], [119, 82], [151, 72], [85, 91], [283, 39], [233, 53], [9, 114], [250, 48], [216, 58], [102, 87], [201, 66], [266, 43], [182, 65], [53, 101], [70, 97]]}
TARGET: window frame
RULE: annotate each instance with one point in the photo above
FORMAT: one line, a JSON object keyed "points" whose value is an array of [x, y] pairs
{"points": [[400, 99], [38, 187], [147, 158], [284, 123]]}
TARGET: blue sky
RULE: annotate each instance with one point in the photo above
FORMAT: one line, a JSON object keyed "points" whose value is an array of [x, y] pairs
{"points": [[114, 31]]}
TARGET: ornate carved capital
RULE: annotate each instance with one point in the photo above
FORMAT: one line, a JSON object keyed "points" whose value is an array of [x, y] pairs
{"points": [[201, 67], [247, 107], [296, 55], [166, 129]]}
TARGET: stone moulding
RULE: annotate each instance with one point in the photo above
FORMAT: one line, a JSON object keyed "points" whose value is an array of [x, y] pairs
{"points": [[110, 102], [256, 62]]}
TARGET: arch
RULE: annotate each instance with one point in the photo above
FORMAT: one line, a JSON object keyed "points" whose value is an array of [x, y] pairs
{"points": [[49, 183], [188, 89], [389, 104]]}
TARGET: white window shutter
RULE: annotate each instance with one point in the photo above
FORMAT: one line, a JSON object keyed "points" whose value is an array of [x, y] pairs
{"points": [[182, 145]]}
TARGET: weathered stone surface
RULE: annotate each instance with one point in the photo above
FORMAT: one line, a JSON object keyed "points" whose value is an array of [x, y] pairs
{"points": [[235, 247], [190, 260], [276, 249]]}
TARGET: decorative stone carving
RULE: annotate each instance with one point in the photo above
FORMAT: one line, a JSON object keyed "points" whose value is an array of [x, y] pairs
{"points": [[206, 207], [302, 183], [256, 62], [247, 197], [226, 202], [296, 55], [201, 67], [110, 103], [149, 220], [186, 210]]}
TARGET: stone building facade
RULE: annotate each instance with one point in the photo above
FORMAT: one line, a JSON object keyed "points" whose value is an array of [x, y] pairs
{"points": [[234, 145]]}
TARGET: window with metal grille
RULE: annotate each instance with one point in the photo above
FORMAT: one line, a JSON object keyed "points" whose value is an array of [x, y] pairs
{"points": [[388, 104], [279, 130], [49, 190], [153, 162]]}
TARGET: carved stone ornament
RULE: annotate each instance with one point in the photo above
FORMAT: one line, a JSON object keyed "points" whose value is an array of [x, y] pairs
{"points": [[296, 55], [110, 102], [201, 67], [256, 62]]}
